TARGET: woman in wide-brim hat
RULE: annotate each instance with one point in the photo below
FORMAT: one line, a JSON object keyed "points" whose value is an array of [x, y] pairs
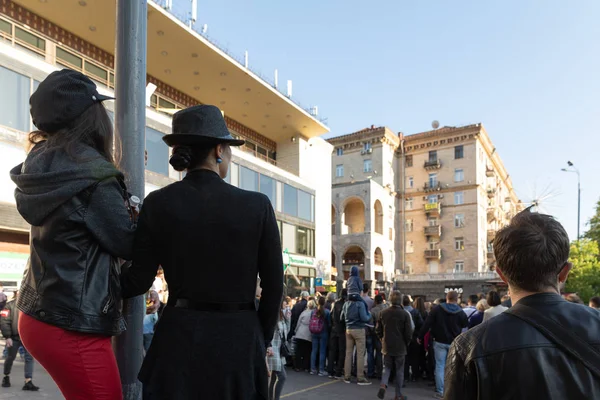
{"points": [[212, 240]]}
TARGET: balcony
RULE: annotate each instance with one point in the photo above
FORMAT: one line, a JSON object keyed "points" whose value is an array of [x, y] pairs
{"points": [[493, 214], [433, 254], [432, 187], [435, 231], [457, 276], [433, 164], [433, 209], [489, 171], [491, 192], [491, 234]]}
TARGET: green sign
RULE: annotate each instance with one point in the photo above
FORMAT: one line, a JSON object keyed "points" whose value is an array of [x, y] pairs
{"points": [[12, 265]]}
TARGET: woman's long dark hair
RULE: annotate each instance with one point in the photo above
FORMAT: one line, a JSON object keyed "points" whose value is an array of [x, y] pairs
{"points": [[419, 304], [321, 307], [93, 128]]}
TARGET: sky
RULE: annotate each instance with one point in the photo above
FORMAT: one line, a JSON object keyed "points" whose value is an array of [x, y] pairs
{"points": [[527, 69]]}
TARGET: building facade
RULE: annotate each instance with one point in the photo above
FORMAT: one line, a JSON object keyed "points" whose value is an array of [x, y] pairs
{"points": [[449, 194], [283, 158]]}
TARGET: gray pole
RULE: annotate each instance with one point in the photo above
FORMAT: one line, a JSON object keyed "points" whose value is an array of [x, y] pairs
{"points": [[130, 124]]}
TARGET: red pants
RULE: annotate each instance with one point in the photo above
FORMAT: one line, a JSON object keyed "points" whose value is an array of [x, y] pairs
{"points": [[82, 365]]}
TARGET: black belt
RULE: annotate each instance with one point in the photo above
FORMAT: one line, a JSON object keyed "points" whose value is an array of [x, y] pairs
{"points": [[207, 306]]}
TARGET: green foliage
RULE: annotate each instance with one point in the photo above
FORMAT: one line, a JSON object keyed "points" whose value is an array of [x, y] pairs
{"points": [[584, 278], [594, 232]]}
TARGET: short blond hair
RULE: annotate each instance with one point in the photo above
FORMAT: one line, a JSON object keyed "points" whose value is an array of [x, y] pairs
{"points": [[482, 305], [312, 305]]}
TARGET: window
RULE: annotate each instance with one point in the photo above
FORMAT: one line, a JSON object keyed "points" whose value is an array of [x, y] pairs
{"points": [[14, 102], [391, 234], [459, 198], [432, 244], [268, 186], [432, 198], [459, 175], [459, 152], [158, 152], [409, 204], [297, 239], [27, 37], [433, 156], [367, 166], [408, 161], [410, 246], [290, 200], [248, 179], [459, 244], [97, 72], [459, 266], [339, 171], [432, 221], [459, 220], [367, 146], [68, 59], [410, 182], [339, 151], [304, 205], [288, 234], [409, 225], [432, 180]]}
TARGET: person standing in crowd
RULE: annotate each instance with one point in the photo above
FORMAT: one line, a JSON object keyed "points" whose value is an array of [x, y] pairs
{"points": [[496, 307], [297, 310], [376, 347], [446, 322], [595, 302], [543, 347], [275, 361], [419, 305], [337, 342], [471, 309], [477, 318], [303, 339], [356, 316], [201, 216], [9, 325], [3, 298], [319, 328], [395, 330], [330, 301], [72, 194], [151, 318], [411, 364], [365, 296]]}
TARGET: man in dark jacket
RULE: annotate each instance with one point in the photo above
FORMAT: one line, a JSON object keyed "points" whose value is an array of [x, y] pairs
{"points": [[356, 316], [446, 322], [9, 325], [296, 311], [395, 331], [412, 358], [507, 357], [337, 340]]}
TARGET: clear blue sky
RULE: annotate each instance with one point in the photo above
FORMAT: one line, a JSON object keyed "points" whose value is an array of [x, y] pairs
{"points": [[528, 70]]}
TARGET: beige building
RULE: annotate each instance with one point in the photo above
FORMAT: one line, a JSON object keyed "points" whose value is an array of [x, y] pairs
{"points": [[419, 208]]}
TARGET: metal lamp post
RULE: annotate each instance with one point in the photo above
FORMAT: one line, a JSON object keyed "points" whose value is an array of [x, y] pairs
{"points": [[574, 169]]}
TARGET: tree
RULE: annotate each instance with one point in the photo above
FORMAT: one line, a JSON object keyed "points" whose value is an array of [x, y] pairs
{"points": [[594, 232], [584, 278]]}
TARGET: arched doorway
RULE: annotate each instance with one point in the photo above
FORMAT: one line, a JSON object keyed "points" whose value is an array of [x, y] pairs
{"points": [[378, 209], [354, 217], [378, 257], [354, 256]]}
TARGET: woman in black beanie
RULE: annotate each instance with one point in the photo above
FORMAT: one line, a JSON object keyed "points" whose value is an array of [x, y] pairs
{"points": [[212, 240], [74, 198]]}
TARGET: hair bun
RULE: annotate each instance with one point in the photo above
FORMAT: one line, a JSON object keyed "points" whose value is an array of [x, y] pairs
{"points": [[181, 158]]}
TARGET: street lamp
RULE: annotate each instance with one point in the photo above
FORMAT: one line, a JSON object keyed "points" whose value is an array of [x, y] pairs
{"points": [[573, 169]]}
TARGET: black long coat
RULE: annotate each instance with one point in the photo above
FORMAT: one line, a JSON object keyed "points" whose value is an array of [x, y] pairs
{"points": [[212, 240]]}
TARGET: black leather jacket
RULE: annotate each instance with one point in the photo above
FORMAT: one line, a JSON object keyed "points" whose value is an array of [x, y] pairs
{"points": [[506, 358], [80, 227]]}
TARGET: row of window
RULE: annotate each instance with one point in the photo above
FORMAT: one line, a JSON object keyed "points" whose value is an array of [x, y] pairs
{"points": [[14, 102], [459, 176], [366, 147], [459, 152], [295, 202], [367, 167], [459, 222], [459, 266], [459, 245], [459, 199]]}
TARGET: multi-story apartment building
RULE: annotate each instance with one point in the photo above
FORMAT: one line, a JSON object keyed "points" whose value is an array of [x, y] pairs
{"points": [[447, 193], [283, 158]]}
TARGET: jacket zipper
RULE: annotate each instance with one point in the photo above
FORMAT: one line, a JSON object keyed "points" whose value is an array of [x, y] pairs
{"points": [[107, 305]]}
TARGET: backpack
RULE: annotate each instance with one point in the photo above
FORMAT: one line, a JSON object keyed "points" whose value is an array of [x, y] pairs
{"points": [[316, 323]]}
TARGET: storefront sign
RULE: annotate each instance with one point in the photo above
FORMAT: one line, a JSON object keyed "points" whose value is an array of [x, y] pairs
{"points": [[12, 265], [300, 261]]}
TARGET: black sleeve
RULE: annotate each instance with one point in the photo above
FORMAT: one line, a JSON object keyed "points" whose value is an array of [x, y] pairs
{"points": [[460, 382], [427, 325], [270, 269], [108, 218], [138, 278]]}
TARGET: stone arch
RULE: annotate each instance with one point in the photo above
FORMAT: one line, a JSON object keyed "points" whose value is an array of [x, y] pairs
{"points": [[353, 217], [354, 255], [378, 213]]}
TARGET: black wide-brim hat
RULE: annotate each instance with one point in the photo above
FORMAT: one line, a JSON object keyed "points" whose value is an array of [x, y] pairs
{"points": [[200, 125]]}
